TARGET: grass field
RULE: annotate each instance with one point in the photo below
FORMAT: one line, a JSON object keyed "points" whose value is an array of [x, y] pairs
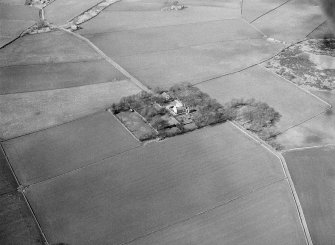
{"points": [[131, 42], [45, 154], [27, 78], [28, 112], [197, 63], [301, 17], [318, 131], [265, 217], [256, 8], [18, 12], [155, 5], [17, 225], [162, 49], [52, 60], [62, 11], [148, 188], [132, 17], [14, 19], [264, 86], [7, 181], [136, 125], [50, 47], [14, 2], [12, 28], [313, 174]]}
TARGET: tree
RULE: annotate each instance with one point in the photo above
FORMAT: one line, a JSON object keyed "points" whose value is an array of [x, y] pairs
{"points": [[159, 123]]}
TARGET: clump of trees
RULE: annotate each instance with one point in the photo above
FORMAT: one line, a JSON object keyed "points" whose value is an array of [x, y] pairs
{"points": [[138, 102], [207, 110], [257, 117], [147, 105]]}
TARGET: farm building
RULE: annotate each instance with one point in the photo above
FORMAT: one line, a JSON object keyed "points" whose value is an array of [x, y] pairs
{"points": [[176, 107]]}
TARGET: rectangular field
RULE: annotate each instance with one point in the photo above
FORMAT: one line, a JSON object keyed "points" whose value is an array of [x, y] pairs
{"points": [[313, 174], [136, 125], [264, 86], [136, 15], [24, 113], [51, 152], [267, 216], [318, 131], [197, 63], [28, 78], [49, 47], [154, 186], [229, 6], [149, 40]]}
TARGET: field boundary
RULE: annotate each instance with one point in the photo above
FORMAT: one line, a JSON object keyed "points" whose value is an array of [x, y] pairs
{"points": [[146, 121], [296, 200], [21, 189], [307, 147], [189, 46], [94, 162], [253, 65], [71, 20], [73, 87], [302, 89], [271, 10], [35, 218], [242, 196], [16, 37], [328, 105], [109, 60], [288, 176], [306, 120], [52, 126], [148, 27], [124, 126], [307, 38]]}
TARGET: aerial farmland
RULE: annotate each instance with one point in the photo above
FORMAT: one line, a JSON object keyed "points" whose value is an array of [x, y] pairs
{"points": [[156, 122]]}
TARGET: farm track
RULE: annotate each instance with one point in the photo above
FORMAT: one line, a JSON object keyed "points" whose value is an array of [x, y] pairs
{"points": [[289, 178], [312, 171]]}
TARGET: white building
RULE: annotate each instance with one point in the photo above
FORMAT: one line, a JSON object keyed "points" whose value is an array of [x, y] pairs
{"points": [[176, 107]]}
